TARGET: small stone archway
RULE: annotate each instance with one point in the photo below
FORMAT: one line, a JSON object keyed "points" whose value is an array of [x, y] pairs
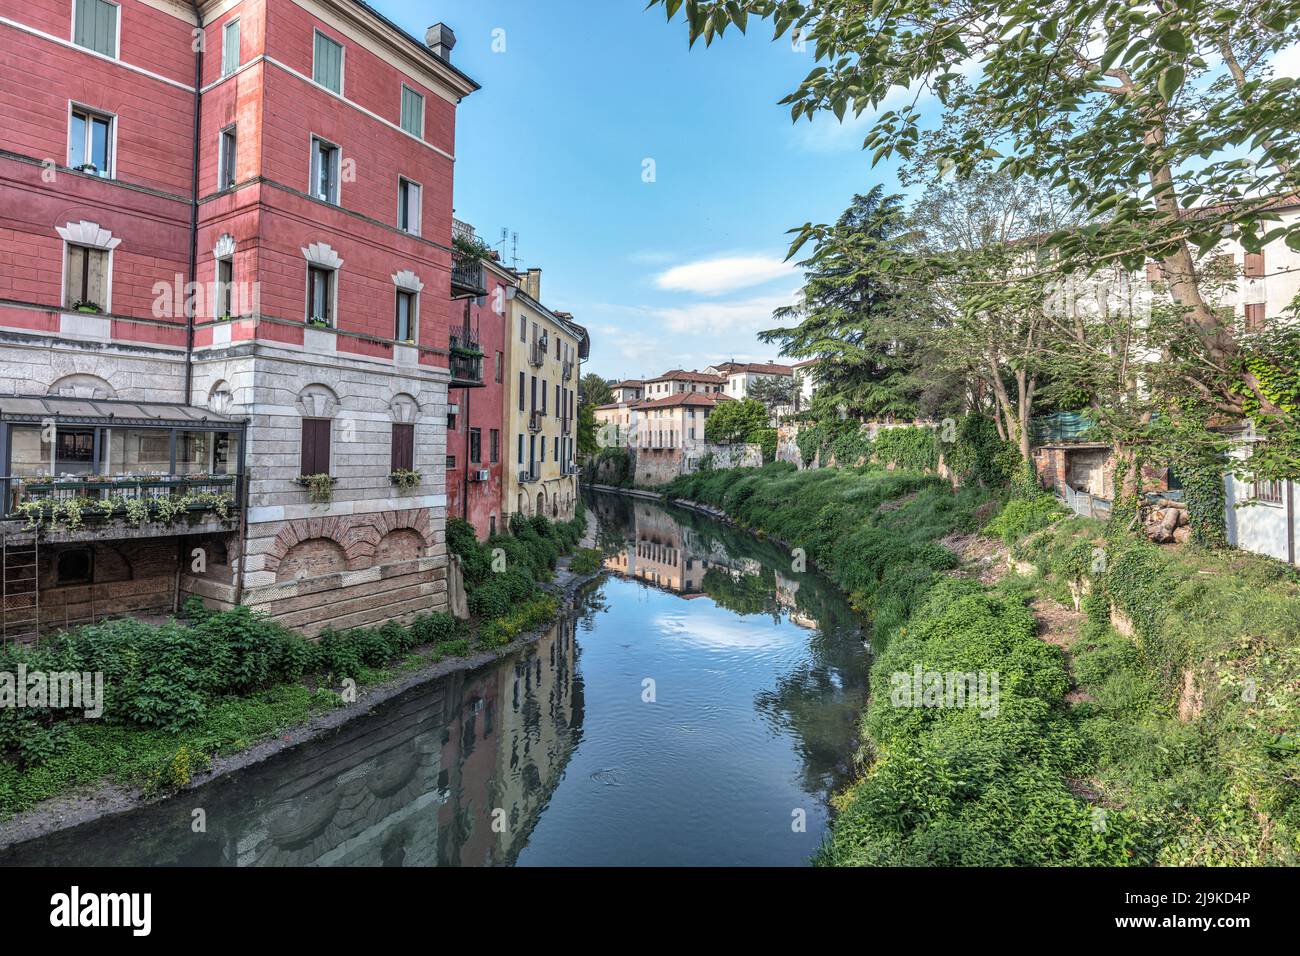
{"points": [[541, 503], [358, 536]]}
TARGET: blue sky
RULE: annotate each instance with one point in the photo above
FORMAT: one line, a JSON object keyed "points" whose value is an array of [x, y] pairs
{"points": [[554, 144]]}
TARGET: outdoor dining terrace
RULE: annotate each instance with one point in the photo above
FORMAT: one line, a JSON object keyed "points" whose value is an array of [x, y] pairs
{"points": [[81, 469]]}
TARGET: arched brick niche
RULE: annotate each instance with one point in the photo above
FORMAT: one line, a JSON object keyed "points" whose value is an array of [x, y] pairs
{"points": [[357, 538]]}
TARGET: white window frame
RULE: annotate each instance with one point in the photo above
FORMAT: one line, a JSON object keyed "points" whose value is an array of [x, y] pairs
{"points": [[221, 157], [76, 107], [313, 180], [343, 62], [107, 305], [415, 312], [117, 31], [333, 296], [419, 205], [216, 285], [225, 40], [401, 102]]}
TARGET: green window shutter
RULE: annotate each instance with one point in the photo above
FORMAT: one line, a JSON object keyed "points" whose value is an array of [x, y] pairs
{"points": [[327, 69], [230, 48], [95, 26], [412, 112]]}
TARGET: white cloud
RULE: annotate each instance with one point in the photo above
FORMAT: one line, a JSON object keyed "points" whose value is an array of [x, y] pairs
{"points": [[744, 315], [723, 274]]}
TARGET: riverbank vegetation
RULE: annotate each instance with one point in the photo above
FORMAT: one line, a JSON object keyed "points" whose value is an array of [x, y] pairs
{"points": [[1174, 742], [180, 693]]}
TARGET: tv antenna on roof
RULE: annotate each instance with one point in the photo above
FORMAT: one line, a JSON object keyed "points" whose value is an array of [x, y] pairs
{"points": [[513, 238]]}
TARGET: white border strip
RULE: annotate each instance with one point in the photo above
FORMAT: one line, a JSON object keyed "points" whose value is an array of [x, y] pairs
{"points": [[99, 56]]}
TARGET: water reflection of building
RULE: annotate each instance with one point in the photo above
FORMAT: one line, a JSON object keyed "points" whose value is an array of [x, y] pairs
{"points": [[661, 552], [415, 783]]}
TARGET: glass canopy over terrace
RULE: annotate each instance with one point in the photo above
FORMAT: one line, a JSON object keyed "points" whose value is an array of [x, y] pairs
{"points": [[56, 449]]}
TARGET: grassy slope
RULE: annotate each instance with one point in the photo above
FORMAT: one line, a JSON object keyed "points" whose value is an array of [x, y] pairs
{"points": [[1116, 777]]}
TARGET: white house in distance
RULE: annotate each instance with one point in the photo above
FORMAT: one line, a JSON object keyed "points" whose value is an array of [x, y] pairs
{"points": [[628, 390], [679, 380], [805, 374], [740, 376]]}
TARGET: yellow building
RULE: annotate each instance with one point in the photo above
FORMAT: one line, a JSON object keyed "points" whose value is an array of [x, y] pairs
{"points": [[543, 354]]}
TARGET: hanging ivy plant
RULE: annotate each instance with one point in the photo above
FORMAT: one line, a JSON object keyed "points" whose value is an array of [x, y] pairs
{"points": [[320, 488]]}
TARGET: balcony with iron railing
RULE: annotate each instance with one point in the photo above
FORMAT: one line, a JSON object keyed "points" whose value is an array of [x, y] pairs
{"points": [[465, 359], [535, 421], [537, 354], [467, 252], [567, 370]]}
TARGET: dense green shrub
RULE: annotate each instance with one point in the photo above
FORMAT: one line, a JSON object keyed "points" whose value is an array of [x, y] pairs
{"points": [[1023, 515], [960, 786], [914, 447]]}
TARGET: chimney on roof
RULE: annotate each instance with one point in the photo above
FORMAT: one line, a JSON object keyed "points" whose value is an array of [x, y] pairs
{"points": [[440, 38], [532, 284]]}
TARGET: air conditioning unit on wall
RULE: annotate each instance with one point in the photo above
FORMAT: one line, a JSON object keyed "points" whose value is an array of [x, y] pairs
{"points": [[483, 474]]}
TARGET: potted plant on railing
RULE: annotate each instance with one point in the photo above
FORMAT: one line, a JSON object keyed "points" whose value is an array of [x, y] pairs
{"points": [[404, 478], [90, 168], [318, 322], [224, 317], [320, 488], [85, 305]]}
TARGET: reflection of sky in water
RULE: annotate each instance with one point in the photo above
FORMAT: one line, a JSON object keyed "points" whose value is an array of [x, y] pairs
{"points": [[704, 628], [754, 717]]}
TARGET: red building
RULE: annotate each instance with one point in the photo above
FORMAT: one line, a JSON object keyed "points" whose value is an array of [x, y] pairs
{"points": [[242, 249], [476, 452]]}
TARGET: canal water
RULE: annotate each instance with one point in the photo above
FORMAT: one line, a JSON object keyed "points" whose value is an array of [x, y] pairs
{"points": [[698, 706]]}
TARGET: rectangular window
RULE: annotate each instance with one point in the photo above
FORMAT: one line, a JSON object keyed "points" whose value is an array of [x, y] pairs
{"points": [[1254, 316], [315, 446], [412, 111], [226, 159], [320, 296], [90, 142], [230, 47], [85, 279], [408, 206], [521, 391], [1269, 492], [225, 287], [405, 318], [521, 449], [324, 170], [532, 383], [451, 462], [543, 396], [327, 63], [523, 329], [500, 362], [451, 421], [556, 447], [494, 446], [476, 446], [542, 457], [403, 447], [558, 406], [94, 26]]}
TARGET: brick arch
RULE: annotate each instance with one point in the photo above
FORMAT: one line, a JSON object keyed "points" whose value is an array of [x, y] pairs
{"points": [[357, 535]]}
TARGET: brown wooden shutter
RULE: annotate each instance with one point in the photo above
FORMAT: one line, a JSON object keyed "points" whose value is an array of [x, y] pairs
{"points": [[315, 446], [403, 445], [1253, 266], [1254, 316]]}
